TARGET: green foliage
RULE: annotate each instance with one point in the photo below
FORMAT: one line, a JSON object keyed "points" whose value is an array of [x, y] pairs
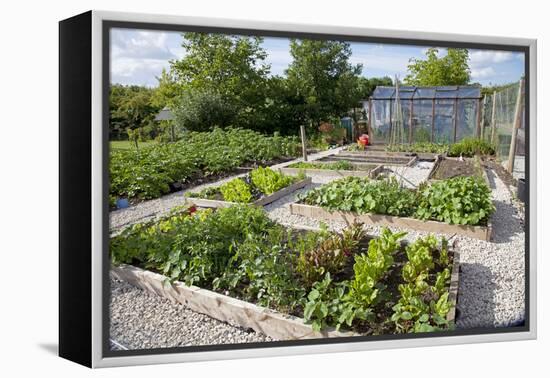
{"points": [[434, 148], [369, 269], [459, 200], [263, 272], [195, 248], [131, 107], [451, 69], [148, 172], [469, 147], [269, 181], [325, 304], [421, 307], [202, 110], [342, 165], [321, 253], [363, 195], [236, 191], [323, 78]]}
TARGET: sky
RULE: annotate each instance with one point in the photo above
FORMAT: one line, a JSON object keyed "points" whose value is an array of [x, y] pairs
{"points": [[138, 57]]}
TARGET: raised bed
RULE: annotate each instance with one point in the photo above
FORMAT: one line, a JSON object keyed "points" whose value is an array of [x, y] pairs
{"points": [[316, 212], [224, 308], [333, 173], [244, 314], [371, 159], [201, 202], [441, 163]]}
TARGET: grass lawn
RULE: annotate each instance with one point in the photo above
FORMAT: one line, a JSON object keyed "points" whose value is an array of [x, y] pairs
{"points": [[126, 145]]}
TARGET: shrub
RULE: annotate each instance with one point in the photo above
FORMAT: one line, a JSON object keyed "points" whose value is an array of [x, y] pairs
{"points": [[460, 200], [469, 147]]}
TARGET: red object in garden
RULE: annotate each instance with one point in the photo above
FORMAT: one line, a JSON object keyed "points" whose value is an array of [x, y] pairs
{"points": [[192, 210], [364, 139]]}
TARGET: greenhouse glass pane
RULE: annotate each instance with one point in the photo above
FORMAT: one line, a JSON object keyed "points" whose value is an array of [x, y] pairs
{"points": [[422, 121], [406, 109], [381, 120], [469, 92], [383, 92], [445, 94], [428, 93], [467, 119], [443, 123]]}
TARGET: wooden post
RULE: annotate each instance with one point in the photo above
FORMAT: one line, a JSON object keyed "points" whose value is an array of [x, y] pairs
{"points": [[483, 103], [433, 119], [494, 119], [455, 119], [391, 122], [411, 123], [478, 119], [517, 124], [370, 129], [304, 144]]}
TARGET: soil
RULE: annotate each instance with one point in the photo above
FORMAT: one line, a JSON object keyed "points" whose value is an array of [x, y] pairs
{"points": [[389, 160], [449, 168], [362, 167], [502, 173]]}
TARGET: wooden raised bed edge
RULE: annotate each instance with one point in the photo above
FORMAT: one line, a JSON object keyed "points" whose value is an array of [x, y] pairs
{"points": [[201, 202], [244, 314], [224, 308], [316, 212], [333, 173]]}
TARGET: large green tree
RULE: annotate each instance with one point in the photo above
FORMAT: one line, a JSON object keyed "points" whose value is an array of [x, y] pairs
{"points": [[322, 75], [450, 69], [232, 67], [131, 107]]}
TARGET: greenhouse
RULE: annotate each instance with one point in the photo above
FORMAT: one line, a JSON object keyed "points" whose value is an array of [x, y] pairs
{"points": [[410, 114]]}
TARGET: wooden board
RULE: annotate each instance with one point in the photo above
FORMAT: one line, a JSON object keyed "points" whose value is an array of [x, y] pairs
{"points": [[316, 212], [332, 173], [221, 307], [453, 287], [201, 202]]}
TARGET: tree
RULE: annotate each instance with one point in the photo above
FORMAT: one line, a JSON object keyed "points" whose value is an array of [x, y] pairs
{"points": [[323, 77], [166, 91], [131, 108], [367, 86], [232, 67], [202, 110], [451, 69]]}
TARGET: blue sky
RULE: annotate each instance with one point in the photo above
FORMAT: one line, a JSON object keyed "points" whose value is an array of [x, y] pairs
{"points": [[138, 57]]}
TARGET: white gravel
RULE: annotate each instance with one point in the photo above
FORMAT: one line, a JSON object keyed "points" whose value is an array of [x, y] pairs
{"points": [[141, 320]]}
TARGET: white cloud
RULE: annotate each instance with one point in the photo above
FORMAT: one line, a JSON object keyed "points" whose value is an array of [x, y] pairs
{"points": [[483, 73], [484, 57]]}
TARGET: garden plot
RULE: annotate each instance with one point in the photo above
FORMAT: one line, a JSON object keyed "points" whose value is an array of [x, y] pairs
{"points": [[261, 187], [371, 159], [155, 208], [307, 271], [491, 292], [446, 168], [342, 168]]}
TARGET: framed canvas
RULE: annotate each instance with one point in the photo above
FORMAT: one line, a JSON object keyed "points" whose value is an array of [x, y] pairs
{"points": [[233, 189]]}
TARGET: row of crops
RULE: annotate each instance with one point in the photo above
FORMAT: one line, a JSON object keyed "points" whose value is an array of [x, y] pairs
{"points": [[148, 172]]}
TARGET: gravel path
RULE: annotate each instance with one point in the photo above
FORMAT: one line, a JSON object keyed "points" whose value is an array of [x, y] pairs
{"points": [[412, 176], [155, 208], [140, 320]]}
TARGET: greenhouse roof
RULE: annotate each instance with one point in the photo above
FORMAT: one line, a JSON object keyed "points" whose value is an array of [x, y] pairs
{"points": [[428, 93]]}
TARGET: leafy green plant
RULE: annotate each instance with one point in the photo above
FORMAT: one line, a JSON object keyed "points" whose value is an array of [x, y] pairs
{"points": [[421, 147], [269, 181], [342, 165], [469, 147], [324, 252], [363, 195], [421, 307], [459, 200], [236, 191], [148, 172]]}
